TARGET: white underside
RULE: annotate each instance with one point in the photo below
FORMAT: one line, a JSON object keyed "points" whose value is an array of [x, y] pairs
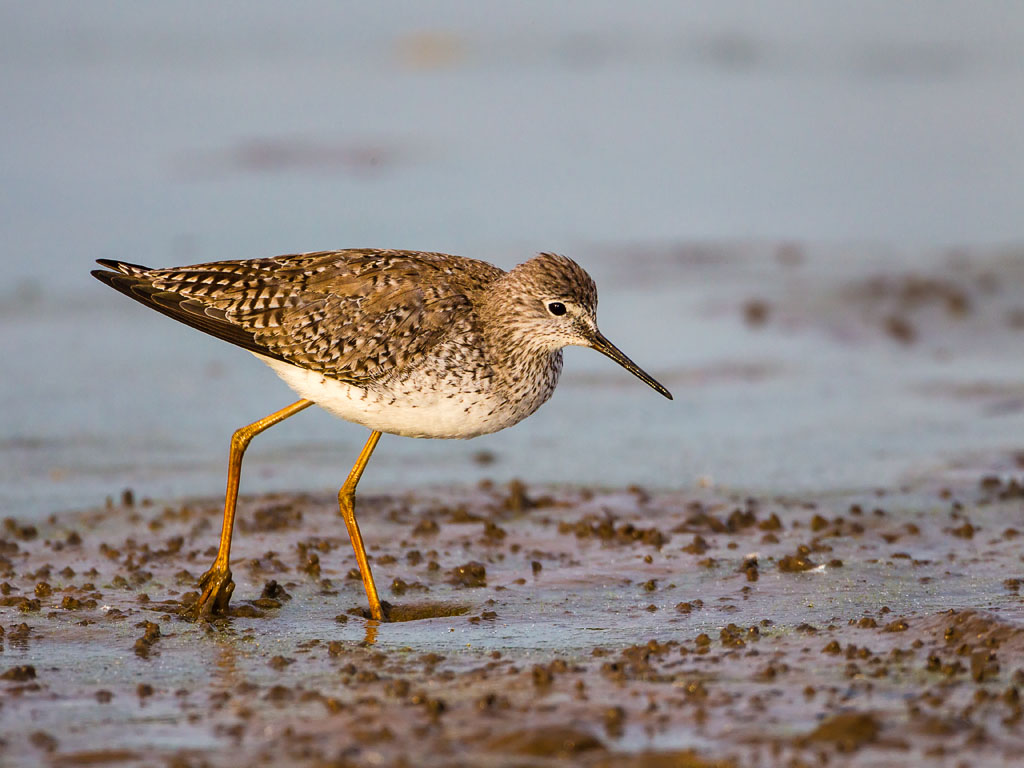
{"points": [[408, 411]]}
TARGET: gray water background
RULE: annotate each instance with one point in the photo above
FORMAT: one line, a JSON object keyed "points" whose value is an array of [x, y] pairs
{"points": [[673, 149]]}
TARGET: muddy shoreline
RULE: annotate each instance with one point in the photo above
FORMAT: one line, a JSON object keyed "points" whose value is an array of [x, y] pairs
{"points": [[540, 626], [804, 220]]}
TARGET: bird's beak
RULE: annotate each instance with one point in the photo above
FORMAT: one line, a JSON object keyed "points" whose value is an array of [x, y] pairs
{"points": [[605, 347]]}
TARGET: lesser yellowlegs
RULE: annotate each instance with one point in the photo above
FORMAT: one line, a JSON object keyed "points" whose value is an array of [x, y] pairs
{"points": [[411, 343]]}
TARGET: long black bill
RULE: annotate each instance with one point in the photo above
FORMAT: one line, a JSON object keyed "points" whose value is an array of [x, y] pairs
{"points": [[605, 347]]}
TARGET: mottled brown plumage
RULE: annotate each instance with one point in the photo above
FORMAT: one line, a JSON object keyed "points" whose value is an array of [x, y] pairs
{"points": [[352, 315], [406, 342]]}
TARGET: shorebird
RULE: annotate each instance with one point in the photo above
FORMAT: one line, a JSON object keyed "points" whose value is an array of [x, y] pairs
{"points": [[405, 342]]}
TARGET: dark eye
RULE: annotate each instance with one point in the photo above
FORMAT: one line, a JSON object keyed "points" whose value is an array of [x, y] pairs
{"points": [[556, 308]]}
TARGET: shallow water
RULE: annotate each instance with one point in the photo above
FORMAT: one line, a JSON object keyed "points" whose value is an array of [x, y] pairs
{"points": [[859, 375], [870, 627], [803, 219], [632, 141]]}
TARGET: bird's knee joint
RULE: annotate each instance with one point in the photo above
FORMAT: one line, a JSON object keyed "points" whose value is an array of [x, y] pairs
{"points": [[241, 438]]}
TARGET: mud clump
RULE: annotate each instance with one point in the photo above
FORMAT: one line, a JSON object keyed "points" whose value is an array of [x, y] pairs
{"points": [[277, 517], [311, 565], [517, 500], [756, 312], [749, 568], [563, 669], [900, 329], [553, 741], [894, 299], [272, 596], [418, 611], [698, 546], [471, 574], [245, 612], [23, 604], [614, 721], [426, 527], [493, 533], [899, 625], [400, 586], [685, 758], [848, 731], [44, 741], [20, 673], [543, 677], [983, 630], [20, 531], [151, 635], [995, 488], [605, 529], [795, 563], [965, 531]]}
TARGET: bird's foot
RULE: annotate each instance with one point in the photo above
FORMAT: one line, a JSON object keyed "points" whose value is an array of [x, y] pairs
{"points": [[215, 588]]}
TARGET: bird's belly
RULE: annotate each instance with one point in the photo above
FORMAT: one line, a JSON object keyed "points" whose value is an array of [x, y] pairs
{"points": [[412, 409]]}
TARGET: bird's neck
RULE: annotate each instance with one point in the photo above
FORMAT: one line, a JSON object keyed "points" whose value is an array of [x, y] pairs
{"points": [[513, 353]]}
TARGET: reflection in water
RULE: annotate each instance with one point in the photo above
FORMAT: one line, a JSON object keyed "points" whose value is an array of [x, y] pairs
{"points": [[225, 668], [372, 625], [413, 612], [430, 610]]}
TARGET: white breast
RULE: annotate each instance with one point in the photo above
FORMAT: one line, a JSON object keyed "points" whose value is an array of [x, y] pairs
{"points": [[407, 409]]}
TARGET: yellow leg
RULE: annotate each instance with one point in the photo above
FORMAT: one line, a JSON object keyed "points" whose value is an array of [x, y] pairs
{"points": [[346, 501], [216, 585]]}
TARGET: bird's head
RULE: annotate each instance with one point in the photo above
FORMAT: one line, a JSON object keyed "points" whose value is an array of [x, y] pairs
{"points": [[551, 302]]}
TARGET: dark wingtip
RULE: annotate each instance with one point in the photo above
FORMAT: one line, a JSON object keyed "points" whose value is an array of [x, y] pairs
{"points": [[103, 275], [124, 267], [136, 282]]}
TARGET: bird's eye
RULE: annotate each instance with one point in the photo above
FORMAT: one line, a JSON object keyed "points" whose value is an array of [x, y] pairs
{"points": [[556, 308]]}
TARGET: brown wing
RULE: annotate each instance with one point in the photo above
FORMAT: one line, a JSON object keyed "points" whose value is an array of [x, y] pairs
{"points": [[352, 315]]}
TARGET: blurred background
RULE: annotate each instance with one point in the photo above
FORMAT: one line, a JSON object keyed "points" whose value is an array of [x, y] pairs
{"points": [[804, 218]]}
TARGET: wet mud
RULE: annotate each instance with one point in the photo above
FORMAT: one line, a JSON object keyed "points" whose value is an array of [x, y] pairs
{"points": [[527, 626]]}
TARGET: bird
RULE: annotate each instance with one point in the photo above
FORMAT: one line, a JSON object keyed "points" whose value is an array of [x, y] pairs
{"points": [[410, 343]]}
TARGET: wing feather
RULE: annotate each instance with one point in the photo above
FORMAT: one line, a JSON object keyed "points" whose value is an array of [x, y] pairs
{"points": [[353, 315]]}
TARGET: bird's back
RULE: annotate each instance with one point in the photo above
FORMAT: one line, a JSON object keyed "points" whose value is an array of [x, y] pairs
{"points": [[356, 316]]}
